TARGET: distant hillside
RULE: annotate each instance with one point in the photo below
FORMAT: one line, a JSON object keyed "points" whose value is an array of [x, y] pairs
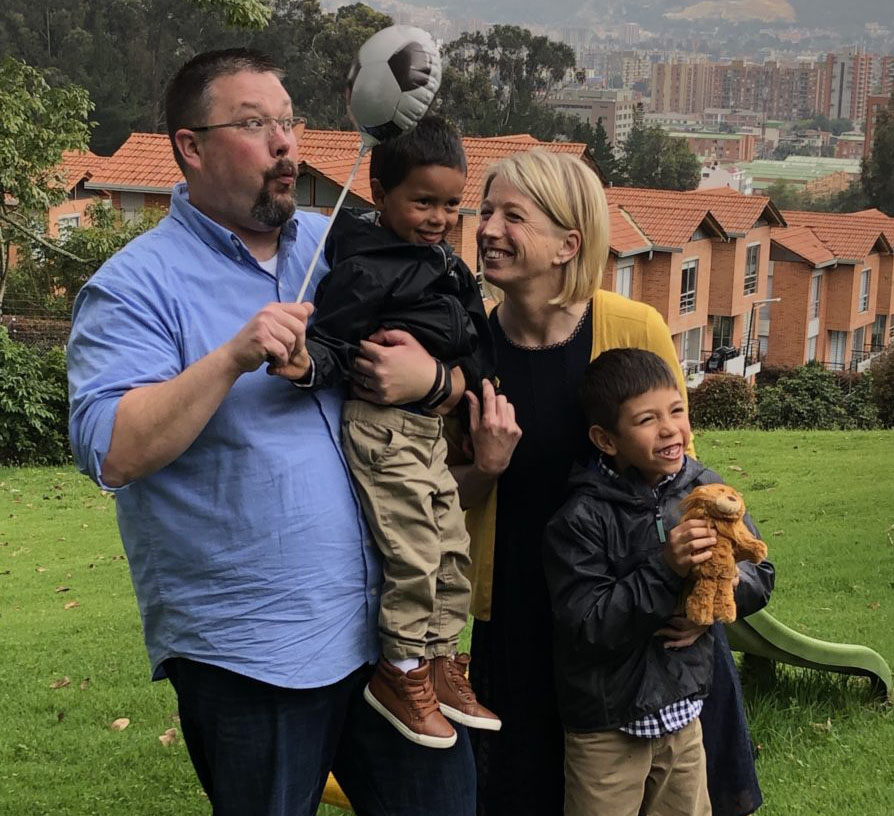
{"points": [[737, 11], [652, 13]]}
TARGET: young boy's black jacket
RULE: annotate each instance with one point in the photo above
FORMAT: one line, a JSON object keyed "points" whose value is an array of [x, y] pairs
{"points": [[380, 281], [611, 590]]}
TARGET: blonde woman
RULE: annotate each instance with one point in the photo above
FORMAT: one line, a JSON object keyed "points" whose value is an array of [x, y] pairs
{"points": [[543, 242]]}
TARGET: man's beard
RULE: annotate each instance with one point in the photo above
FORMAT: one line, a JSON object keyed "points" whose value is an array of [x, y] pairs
{"points": [[274, 210]]}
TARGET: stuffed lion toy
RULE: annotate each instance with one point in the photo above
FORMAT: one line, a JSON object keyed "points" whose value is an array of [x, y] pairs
{"points": [[710, 592]]}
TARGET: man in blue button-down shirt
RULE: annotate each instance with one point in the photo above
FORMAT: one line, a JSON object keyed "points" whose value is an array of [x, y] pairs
{"points": [[251, 562]]}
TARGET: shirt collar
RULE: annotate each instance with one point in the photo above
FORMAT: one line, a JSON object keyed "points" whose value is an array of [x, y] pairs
{"points": [[606, 469], [214, 235]]}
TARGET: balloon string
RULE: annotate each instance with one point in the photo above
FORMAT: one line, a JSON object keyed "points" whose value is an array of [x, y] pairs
{"points": [[364, 149]]}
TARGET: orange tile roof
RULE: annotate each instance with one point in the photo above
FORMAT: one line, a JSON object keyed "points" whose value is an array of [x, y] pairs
{"points": [[803, 241], [850, 236], [886, 222], [77, 165], [332, 153], [737, 213], [625, 238], [314, 144], [718, 191], [668, 225], [144, 163], [338, 170]]}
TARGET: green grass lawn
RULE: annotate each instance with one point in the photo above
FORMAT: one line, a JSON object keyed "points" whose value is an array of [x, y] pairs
{"points": [[823, 503]]}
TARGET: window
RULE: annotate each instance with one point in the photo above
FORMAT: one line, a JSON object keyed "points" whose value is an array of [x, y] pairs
{"points": [[865, 276], [857, 353], [624, 277], [877, 342], [67, 223], [835, 350], [691, 348], [815, 282], [811, 348], [688, 280], [723, 331], [752, 259]]}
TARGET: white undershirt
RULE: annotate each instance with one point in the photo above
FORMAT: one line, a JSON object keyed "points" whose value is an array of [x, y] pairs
{"points": [[269, 266]]}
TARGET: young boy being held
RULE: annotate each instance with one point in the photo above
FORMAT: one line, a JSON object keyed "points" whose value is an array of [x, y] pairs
{"points": [[394, 270], [616, 562]]}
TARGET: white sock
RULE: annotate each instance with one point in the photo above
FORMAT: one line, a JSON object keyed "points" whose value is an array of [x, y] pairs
{"points": [[407, 664]]}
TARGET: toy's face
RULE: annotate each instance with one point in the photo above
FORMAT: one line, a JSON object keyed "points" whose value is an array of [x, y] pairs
{"points": [[719, 501], [729, 505]]}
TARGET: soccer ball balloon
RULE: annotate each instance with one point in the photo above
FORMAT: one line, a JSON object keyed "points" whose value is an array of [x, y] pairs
{"points": [[392, 82]]}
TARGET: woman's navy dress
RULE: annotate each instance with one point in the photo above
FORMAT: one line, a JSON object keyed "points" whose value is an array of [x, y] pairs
{"points": [[520, 768]]}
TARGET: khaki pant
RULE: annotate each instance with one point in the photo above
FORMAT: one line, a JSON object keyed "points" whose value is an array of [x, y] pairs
{"points": [[610, 773], [399, 463]]}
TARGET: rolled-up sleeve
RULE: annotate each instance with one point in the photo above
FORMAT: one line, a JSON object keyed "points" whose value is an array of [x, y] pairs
{"points": [[120, 340]]}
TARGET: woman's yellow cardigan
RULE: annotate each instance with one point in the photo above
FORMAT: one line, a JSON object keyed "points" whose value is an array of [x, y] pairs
{"points": [[617, 323]]}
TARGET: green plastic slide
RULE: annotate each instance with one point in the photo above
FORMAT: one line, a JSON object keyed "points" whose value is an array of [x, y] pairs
{"points": [[765, 637]]}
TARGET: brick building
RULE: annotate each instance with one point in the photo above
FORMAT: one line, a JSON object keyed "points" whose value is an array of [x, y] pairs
{"points": [[833, 274]]}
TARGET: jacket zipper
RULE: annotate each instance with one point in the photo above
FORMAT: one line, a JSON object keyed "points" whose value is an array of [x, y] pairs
{"points": [[659, 524]]}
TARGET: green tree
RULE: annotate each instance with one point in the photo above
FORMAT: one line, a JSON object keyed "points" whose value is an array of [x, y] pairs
{"points": [[319, 86], [785, 195], [33, 404], [521, 69], [37, 123], [882, 370], [655, 159], [49, 276], [877, 176], [91, 43], [604, 153], [240, 13]]}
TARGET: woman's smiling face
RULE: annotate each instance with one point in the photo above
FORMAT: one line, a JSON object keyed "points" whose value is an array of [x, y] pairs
{"points": [[517, 241]]}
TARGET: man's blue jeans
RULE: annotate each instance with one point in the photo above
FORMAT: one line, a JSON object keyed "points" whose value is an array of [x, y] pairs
{"points": [[261, 750]]}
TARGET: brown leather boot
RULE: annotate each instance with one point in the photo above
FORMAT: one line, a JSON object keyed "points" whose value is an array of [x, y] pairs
{"points": [[408, 702], [455, 695]]}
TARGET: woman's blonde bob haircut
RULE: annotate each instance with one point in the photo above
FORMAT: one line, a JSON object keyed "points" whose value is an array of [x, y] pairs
{"points": [[570, 194]]}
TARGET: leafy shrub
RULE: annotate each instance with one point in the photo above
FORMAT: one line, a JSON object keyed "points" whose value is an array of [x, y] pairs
{"points": [[770, 374], [859, 406], [722, 401], [33, 404], [807, 398], [882, 370]]}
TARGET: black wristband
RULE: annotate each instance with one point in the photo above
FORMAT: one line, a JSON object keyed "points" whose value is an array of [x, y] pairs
{"points": [[436, 386], [444, 392]]}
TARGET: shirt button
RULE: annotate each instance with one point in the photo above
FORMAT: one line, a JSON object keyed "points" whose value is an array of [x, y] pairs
{"points": [[374, 591]]}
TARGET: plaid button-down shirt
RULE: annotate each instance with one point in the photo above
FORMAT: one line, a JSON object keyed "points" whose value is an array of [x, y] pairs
{"points": [[679, 714]]}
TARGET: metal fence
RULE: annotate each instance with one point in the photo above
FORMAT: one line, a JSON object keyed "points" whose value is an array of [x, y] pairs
{"points": [[41, 332]]}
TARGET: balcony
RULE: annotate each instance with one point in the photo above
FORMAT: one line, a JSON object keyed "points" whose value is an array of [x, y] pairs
{"points": [[693, 372], [860, 359]]}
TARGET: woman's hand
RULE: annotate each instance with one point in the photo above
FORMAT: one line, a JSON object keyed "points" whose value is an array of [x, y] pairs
{"points": [[393, 368], [688, 544], [681, 632], [494, 431]]}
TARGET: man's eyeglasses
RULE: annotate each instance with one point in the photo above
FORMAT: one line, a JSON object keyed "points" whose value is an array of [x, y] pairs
{"points": [[258, 125]]}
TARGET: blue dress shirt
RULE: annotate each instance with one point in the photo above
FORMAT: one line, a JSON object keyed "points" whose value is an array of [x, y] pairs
{"points": [[249, 551]]}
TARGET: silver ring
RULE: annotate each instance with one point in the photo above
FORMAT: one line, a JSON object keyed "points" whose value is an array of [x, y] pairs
{"points": [[364, 382]]}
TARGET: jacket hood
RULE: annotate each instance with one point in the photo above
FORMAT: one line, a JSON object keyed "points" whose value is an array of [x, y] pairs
{"points": [[629, 488], [356, 232]]}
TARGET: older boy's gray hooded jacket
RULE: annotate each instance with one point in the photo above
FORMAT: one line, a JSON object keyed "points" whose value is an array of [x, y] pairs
{"points": [[611, 590]]}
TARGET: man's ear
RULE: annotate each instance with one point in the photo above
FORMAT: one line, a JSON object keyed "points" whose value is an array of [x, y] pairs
{"points": [[378, 193], [188, 144], [603, 440], [569, 248]]}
